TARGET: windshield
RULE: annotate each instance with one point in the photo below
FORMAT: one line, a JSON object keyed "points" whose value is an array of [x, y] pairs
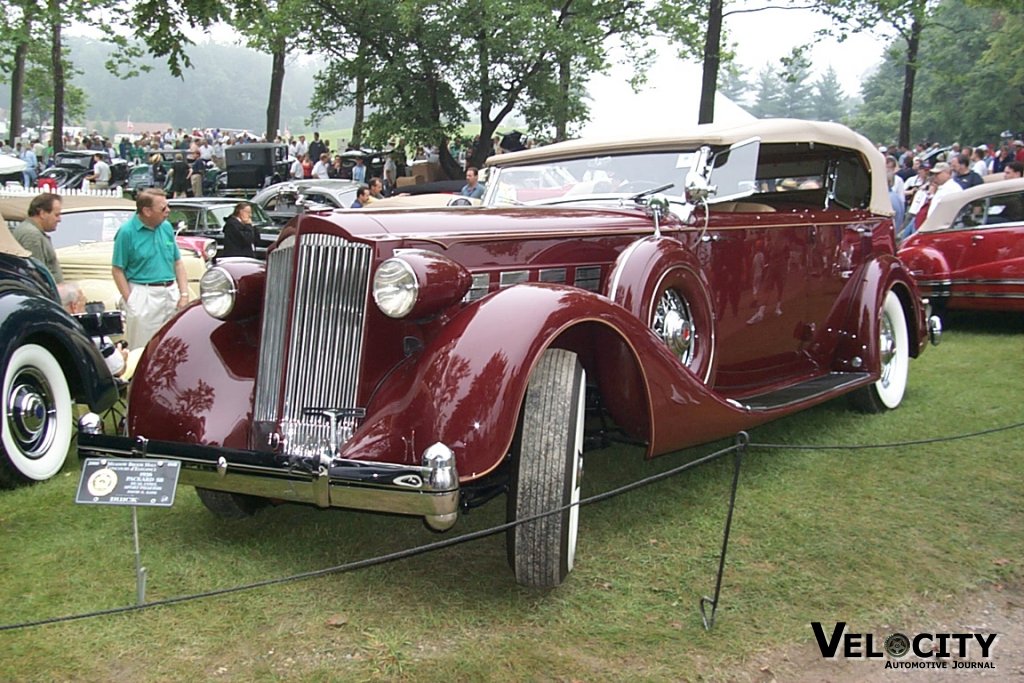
{"points": [[89, 226], [565, 179]]}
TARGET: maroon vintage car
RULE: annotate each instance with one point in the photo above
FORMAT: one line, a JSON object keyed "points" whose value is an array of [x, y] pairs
{"points": [[424, 361], [969, 252]]}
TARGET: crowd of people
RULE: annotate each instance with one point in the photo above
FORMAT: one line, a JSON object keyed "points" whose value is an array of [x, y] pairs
{"points": [[920, 177]]}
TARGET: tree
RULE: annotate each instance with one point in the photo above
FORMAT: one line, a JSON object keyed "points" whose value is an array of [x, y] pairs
{"points": [[971, 89], [768, 101], [535, 54], [732, 82], [829, 101], [797, 89], [276, 27], [909, 18]]}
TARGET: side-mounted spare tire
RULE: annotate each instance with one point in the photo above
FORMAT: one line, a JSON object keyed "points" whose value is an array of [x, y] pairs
{"points": [[547, 471]]}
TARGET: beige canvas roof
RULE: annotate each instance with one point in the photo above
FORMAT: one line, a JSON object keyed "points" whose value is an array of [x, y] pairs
{"points": [[9, 245], [943, 214], [15, 207], [768, 130]]}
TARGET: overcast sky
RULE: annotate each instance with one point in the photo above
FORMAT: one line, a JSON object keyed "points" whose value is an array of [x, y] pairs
{"points": [[764, 37]]}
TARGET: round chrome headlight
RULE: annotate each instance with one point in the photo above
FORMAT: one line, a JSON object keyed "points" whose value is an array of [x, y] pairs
{"points": [[395, 288], [211, 250], [217, 292]]}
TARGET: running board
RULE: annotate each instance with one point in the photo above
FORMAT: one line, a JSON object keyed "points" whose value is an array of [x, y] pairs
{"points": [[819, 387]]}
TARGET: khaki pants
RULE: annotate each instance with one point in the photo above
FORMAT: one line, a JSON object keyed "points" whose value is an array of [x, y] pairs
{"points": [[147, 309], [197, 185]]}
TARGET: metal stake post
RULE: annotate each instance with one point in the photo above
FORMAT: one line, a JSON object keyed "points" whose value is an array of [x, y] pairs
{"points": [[140, 571], [742, 439]]}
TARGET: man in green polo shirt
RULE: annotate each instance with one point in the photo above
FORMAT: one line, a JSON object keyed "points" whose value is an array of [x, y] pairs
{"points": [[147, 269]]}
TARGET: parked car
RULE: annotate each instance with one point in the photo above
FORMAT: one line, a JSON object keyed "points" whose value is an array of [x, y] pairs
{"points": [[139, 178], [71, 167], [284, 201], [204, 217], [49, 364], [423, 362], [254, 166], [969, 252], [84, 241]]}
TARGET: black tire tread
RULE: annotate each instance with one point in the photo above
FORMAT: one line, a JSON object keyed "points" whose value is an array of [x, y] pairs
{"points": [[548, 433], [228, 505]]}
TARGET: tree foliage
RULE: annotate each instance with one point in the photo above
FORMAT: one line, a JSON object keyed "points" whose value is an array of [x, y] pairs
{"points": [[971, 85], [830, 102], [427, 65]]}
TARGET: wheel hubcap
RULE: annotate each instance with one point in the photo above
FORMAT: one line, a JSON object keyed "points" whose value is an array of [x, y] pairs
{"points": [[31, 413], [673, 322], [887, 348]]}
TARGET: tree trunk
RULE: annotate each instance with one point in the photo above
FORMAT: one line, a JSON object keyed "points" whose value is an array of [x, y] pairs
{"points": [[712, 59], [360, 96], [449, 164], [562, 110], [909, 75], [18, 88], [57, 59], [276, 86]]}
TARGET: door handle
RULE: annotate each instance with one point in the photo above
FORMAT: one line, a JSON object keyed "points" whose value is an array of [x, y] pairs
{"points": [[977, 238]]}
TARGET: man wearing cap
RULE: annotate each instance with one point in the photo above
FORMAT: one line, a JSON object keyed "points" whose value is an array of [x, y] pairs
{"points": [[147, 268], [942, 185]]}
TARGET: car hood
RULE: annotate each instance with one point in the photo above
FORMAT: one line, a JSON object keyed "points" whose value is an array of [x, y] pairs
{"points": [[467, 222]]}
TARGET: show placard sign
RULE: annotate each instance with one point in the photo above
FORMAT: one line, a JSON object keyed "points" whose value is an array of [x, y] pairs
{"points": [[148, 483]]}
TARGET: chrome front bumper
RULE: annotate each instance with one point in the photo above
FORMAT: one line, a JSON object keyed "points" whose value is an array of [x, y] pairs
{"points": [[430, 490]]}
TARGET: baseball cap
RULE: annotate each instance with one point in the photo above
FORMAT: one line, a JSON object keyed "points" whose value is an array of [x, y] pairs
{"points": [[940, 167]]}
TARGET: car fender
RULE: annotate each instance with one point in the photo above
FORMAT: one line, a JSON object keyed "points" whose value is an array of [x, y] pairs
{"points": [[466, 387], [195, 381], [28, 319], [926, 262], [859, 349], [649, 265]]}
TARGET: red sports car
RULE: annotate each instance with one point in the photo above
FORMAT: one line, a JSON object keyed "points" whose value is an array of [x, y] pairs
{"points": [[969, 252]]}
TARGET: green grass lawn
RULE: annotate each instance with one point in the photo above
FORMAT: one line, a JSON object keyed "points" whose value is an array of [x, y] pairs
{"points": [[863, 536]]}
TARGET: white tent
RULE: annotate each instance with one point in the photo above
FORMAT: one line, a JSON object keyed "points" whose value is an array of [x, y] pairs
{"points": [[667, 104]]}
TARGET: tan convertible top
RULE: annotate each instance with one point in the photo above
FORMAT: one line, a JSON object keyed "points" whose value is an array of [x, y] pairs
{"points": [[768, 130], [14, 207], [943, 214]]}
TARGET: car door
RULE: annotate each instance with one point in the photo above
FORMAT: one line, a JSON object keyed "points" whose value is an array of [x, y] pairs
{"points": [[988, 265]]}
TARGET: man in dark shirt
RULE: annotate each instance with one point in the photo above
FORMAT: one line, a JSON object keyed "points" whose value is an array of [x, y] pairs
{"points": [[962, 173]]}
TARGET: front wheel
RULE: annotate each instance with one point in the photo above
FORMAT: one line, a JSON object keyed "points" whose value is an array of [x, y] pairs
{"points": [[894, 350], [548, 461], [37, 417]]}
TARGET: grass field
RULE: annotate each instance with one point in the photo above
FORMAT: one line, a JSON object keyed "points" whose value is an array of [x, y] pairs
{"points": [[863, 536]]}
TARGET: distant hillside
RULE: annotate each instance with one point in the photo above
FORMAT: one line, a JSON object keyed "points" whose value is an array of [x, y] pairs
{"points": [[227, 87]]}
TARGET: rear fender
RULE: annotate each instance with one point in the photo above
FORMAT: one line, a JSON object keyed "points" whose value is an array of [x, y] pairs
{"points": [[861, 339]]}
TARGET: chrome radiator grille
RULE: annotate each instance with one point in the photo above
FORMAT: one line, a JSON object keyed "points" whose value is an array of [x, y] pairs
{"points": [[313, 360]]}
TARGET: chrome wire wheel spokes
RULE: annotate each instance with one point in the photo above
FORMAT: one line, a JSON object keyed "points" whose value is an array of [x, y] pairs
{"points": [[31, 413], [673, 322]]}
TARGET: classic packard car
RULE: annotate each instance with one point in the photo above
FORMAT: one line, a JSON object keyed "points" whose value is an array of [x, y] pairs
{"points": [[49, 364], [425, 361], [969, 252]]}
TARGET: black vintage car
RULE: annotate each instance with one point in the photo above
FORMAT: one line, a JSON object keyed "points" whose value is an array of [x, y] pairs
{"points": [[49, 364], [71, 167], [253, 166]]}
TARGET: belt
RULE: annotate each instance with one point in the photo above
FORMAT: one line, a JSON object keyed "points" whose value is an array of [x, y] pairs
{"points": [[155, 284]]}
